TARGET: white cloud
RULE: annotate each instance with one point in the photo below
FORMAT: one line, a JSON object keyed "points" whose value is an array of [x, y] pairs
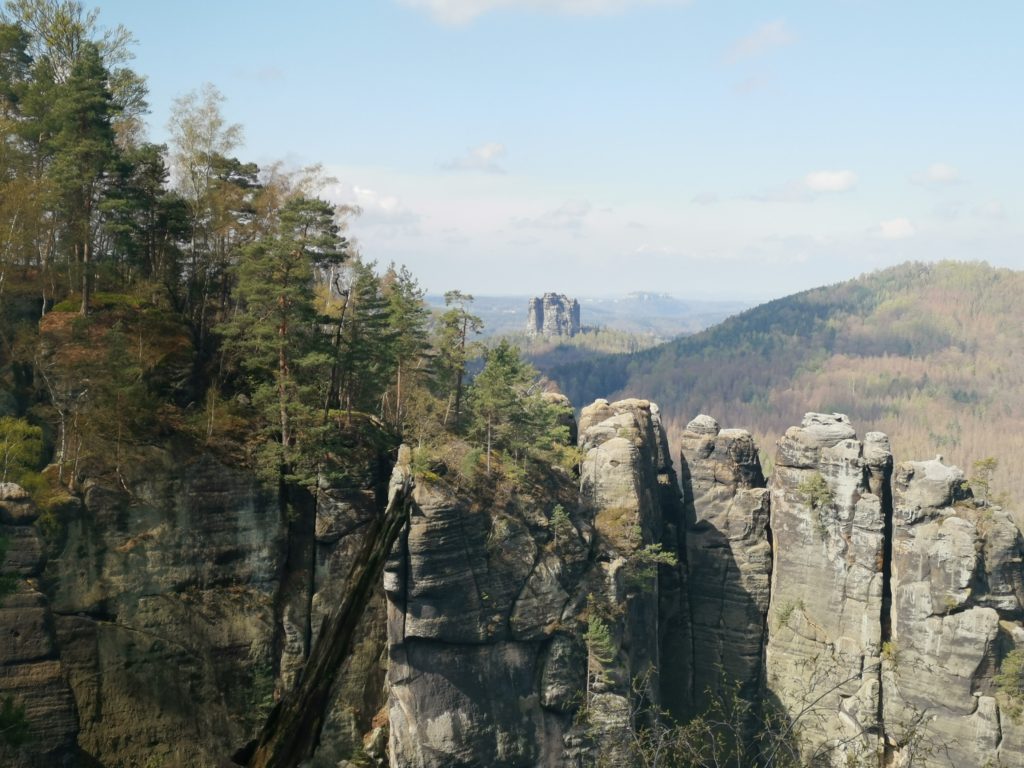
{"points": [[464, 11], [937, 173], [704, 198], [483, 158], [992, 210], [570, 216], [896, 229], [773, 34], [386, 214], [830, 181]]}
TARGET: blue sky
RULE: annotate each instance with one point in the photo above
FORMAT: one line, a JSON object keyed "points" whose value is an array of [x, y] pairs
{"points": [[704, 149]]}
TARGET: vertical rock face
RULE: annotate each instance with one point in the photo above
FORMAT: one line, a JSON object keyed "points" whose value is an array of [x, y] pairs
{"points": [[30, 667], [956, 613], [553, 314], [824, 642], [484, 648], [166, 618], [175, 604], [630, 490], [729, 557], [489, 606]]}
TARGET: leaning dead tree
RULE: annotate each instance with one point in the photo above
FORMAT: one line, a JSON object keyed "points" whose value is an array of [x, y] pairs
{"points": [[292, 732]]}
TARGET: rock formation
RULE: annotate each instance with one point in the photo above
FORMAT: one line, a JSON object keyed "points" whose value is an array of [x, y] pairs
{"points": [[824, 641], [30, 664], [553, 314], [156, 616], [181, 602], [729, 558], [490, 602], [957, 610]]}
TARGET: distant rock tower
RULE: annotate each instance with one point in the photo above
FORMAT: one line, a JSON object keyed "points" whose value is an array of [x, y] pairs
{"points": [[553, 314]]}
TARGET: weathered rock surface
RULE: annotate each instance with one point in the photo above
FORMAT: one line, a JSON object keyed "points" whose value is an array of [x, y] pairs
{"points": [[956, 612], [553, 314], [489, 604], [477, 599], [30, 668], [631, 493], [159, 620], [729, 558], [166, 601], [824, 641], [171, 606]]}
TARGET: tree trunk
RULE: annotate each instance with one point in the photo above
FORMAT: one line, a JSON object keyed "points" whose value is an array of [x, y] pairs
{"points": [[86, 283], [282, 382], [292, 732]]}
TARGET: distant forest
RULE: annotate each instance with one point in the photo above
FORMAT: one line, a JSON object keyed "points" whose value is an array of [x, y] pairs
{"points": [[931, 354]]}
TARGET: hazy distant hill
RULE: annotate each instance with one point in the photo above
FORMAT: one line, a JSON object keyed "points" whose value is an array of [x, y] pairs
{"points": [[642, 313], [933, 355]]}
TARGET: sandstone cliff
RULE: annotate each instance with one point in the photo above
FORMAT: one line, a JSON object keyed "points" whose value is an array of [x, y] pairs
{"points": [[956, 612], [553, 314], [490, 604], [824, 642], [729, 558], [877, 616], [182, 600]]}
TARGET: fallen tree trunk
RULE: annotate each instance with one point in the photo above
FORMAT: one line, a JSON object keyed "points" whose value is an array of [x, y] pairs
{"points": [[292, 732]]}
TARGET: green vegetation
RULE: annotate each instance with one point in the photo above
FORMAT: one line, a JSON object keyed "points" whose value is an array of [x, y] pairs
{"points": [[14, 726], [816, 491], [642, 564], [226, 307], [818, 497], [980, 482], [928, 353], [601, 646], [1009, 681], [508, 411], [21, 448], [561, 525], [786, 612]]}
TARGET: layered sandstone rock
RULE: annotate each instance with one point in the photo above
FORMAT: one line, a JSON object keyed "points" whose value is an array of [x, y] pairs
{"points": [[483, 641], [729, 558], [31, 673], [956, 613], [553, 314], [825, 636], [629, 490], [182, 602], [489, 605]]}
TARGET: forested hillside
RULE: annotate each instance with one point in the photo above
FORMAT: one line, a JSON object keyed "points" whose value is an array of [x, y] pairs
{"points": [[928, 353]]}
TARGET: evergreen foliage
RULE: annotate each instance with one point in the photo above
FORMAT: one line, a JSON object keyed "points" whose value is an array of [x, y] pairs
{"points": [[275, 335]]}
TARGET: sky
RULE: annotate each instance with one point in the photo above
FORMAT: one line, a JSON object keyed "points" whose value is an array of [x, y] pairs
{"points": [[706, 149]]}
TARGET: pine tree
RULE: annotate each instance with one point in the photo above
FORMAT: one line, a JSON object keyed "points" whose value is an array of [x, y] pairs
{"points": [[498, 400], [276, 335], [454, 350], [407, 321], [83, 150], [367, 354]]}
